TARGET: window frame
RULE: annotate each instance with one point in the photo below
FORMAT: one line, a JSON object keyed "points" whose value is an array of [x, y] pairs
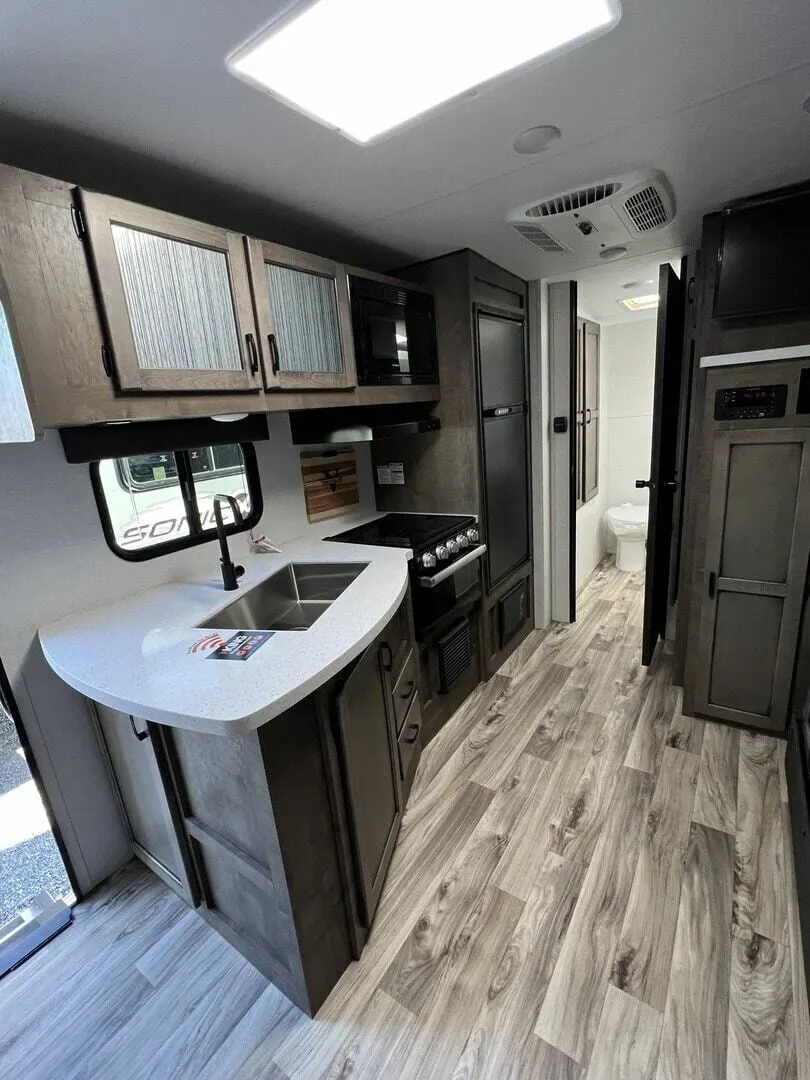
{"points": [[186, 483]]}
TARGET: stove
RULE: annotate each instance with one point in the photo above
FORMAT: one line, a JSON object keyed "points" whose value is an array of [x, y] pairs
{"points": [[441, 543]]}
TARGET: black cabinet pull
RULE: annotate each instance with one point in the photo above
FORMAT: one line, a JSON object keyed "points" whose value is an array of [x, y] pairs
{"points": [[415, 728], [275, 362], [712, 585], [386, 656], [588, 411], [139, 735], [406, 693], [253, 354]]}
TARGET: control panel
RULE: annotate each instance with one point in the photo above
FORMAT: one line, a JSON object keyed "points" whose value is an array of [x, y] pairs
{"points": [[751, 402]]}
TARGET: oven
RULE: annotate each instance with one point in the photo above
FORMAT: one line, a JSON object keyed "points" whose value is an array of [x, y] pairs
{"points": [[394, 334], [438, 595]]}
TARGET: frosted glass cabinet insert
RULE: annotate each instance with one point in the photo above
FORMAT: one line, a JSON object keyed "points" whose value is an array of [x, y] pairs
{"points": [[304, 319], [176, 299]]}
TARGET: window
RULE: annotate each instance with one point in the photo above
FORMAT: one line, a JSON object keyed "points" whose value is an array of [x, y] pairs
{"points": [[152, 504]]}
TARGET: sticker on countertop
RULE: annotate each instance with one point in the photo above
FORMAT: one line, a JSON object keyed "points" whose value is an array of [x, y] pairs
{"points": [[391, 474], [241, 646], [210, 641]]}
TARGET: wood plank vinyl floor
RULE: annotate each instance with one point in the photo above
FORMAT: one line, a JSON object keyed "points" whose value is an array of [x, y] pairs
{"points": [[589, 885]]}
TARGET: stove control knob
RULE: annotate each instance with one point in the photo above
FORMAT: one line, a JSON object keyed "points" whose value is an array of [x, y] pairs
{"points": [[428, 560], [462, 540], [442, 554], [452, 547], [472, 535]]}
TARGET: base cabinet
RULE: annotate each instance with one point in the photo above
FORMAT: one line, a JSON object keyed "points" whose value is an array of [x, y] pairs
{"points": [[137, 755]]}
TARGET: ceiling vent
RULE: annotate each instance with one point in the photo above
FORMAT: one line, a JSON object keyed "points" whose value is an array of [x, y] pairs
{"points": [[596, 217]]}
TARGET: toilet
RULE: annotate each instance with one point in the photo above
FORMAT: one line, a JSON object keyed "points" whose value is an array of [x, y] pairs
{"points": [[628, 523]]}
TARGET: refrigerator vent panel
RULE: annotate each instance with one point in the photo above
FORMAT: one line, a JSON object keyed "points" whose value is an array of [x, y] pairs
{"points": [[646, 209], [539, 237], [455, 653], [574, 200]]}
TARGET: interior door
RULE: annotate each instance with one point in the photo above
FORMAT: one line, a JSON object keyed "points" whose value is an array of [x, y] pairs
{"points": [[757, 551], [175, 297], [590, 365], [369, 760], [664, 456], [304, 318]]}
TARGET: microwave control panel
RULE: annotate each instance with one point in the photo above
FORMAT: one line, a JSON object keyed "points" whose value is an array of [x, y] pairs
{"points": [[751, 402]]}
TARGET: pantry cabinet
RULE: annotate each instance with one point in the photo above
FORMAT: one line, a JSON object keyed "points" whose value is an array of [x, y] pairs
{"points": [[304, 319], [175, 299]]}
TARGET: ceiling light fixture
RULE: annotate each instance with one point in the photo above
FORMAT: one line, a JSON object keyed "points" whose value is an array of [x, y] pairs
{"points": [[342, 62], [536, 139], [640, 303], [638, 284], [610, 254]]}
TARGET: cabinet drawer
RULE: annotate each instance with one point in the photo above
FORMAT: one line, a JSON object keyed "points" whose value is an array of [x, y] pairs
{"points": [[398, 637], [405, 688], [513, 610], [410, 745]]}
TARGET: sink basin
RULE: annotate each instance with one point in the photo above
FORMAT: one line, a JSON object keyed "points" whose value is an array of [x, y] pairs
{"points": [[294, 598]]}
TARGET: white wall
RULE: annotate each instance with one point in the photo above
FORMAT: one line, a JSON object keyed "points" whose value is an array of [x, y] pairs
{"points": [[591, 531], [55, 562], [630, 352]]}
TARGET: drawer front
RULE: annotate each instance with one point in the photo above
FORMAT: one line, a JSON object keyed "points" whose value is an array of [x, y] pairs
{"points": [[399, 638], [513, 610], [410, 745], [405, 688]]}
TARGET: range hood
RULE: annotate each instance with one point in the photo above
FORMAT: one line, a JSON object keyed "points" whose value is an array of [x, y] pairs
{"points": [[361, 423]]}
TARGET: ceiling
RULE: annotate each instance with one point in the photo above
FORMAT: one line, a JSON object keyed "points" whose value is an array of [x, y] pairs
{"points": [[709, 93], [600, 288]]}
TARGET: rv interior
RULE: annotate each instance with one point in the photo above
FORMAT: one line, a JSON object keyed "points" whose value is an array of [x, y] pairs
{"points": [[405, 540]]}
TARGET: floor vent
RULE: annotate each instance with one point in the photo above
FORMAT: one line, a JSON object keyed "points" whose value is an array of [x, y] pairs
{"points": [[646, 209], [574, 200], [455, 654], [539, 237]]}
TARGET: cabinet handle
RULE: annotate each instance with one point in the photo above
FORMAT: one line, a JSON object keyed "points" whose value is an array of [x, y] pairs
{"points": [[712, 585], [415, 728], [406, 693], [139, 735], [588, 411], [275, 361], [253, 354], [386, 656]]}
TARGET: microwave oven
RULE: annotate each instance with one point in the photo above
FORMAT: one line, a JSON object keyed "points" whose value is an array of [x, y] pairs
{"points": [[394, 333]]}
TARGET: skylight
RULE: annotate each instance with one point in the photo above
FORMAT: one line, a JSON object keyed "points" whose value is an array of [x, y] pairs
{"points": [[367, 66], [640, 303]]}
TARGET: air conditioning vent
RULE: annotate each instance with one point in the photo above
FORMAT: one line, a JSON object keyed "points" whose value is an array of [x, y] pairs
{"points": [[574, 200], [539, 237], [596, 219], [646, 209]]}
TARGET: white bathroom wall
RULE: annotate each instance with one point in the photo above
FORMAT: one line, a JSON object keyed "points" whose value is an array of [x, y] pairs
{"points": [[591, 533], [630, 352], [55, 562]]}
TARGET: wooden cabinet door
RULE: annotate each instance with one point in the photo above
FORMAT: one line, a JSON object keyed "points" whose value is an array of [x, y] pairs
{"points": [[757, 551], [304, 319], [369, 764], [590, 351], [175, 299], [135, 752]]}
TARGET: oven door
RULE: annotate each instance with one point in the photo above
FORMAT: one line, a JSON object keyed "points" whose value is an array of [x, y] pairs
{"points": [[439, 594], [395, 342]]}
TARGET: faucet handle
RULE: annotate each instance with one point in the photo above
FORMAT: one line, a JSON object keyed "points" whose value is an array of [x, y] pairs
{"points": [[238, 570]]}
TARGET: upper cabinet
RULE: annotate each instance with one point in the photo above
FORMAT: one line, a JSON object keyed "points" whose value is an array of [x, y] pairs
{"points": [[304, 319], [176, 299]]}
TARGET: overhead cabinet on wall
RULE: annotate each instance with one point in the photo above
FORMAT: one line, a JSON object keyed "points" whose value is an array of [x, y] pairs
{"points": [[304, 319], [175, 299]]}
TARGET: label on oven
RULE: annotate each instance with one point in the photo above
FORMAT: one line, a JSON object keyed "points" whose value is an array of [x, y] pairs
{"points": [[391, 474]]}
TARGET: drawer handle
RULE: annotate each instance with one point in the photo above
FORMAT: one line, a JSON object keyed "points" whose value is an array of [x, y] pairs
{"points": [[415, 728], [386, 656], [712, 585], [406, 693]]}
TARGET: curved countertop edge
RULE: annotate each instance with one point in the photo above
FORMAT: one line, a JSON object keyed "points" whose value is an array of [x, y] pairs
{"points": [[87, 624], [240, 724]]}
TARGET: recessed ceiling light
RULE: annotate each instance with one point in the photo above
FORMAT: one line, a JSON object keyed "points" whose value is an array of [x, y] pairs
{"points": [[638, 284], [806, 105], [609, 254], [367, 66], [640, 303], [536, 139]]}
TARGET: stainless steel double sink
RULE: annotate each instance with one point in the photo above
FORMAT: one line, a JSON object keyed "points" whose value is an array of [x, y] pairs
{"points": [[293, 598]]}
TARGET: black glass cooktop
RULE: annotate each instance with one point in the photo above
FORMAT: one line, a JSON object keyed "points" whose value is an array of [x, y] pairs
{"points": [[404, 530]]}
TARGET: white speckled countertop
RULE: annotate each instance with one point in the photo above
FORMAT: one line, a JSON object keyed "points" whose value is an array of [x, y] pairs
{"points": [[135, 655]]}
